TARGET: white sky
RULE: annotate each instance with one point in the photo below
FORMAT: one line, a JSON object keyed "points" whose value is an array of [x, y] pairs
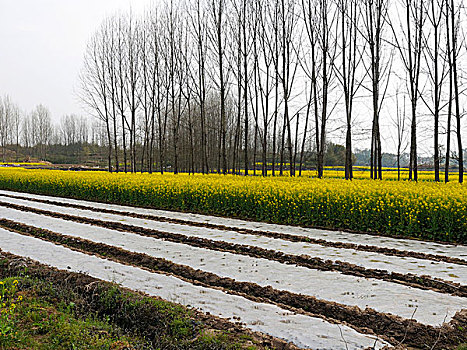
{"points": [[42, 44]]}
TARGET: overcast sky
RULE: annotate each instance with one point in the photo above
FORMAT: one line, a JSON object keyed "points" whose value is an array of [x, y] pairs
{"points": [[42, 45]]}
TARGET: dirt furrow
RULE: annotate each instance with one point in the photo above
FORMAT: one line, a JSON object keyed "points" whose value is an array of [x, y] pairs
{"points": [[394, 329], [134, 314], [270, 234], [421, 282]]}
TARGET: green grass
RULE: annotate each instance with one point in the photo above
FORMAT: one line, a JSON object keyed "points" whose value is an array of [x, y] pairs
{"points": [[40, 321], [36, 313]]}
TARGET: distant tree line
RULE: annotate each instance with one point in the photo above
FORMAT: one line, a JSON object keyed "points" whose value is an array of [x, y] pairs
{"points": [[74, 139], [33, 135]]}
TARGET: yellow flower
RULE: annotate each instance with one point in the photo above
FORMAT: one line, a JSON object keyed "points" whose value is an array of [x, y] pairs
{"points": [[363, 204]]}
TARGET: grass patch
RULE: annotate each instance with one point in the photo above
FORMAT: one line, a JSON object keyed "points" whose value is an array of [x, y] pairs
{"points": [[37, 311], [34, 320]]}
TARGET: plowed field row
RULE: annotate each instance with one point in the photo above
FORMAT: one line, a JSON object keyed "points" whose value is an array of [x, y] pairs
{"points": [[313, 288]]}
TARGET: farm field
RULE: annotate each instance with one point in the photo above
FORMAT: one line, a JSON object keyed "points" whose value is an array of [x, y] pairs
{"points": [[389, 174], [363, 172], [233, 175], [46, 308], [313, 288], [425, 210]]}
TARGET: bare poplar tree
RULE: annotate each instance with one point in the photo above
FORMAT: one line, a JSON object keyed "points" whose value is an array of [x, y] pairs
{"points": [[43, 124], [288, 21], [199, 33], [68, 126], [217, 37], [321, 20], [153, 90], [400, 123], [27, 132], [275, 23], [111, 76], [5, 121], [374, 23], [265, 75], [454, 30], [94, 86], [409, 42], [436, 71], [16, 129], [351, 59], [132, 34]]}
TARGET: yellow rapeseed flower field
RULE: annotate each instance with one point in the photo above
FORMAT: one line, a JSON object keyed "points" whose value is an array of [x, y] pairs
{"points": [[425, 210], [363, 172], [388, 174]]}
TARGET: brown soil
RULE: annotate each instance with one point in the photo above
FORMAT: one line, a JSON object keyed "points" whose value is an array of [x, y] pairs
{"points": [[392, 328], [422, 282], [278, 235], [146, 319]]}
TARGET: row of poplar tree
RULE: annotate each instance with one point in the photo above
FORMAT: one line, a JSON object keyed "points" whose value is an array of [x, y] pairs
{"points": [[231, 85]]}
